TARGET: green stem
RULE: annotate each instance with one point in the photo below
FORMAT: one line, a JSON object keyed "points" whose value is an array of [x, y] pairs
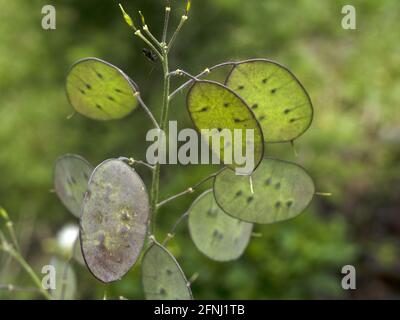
{"points": [[171, 234], [65, 275], [190, 189], [150, 35], [181, 23], [206, 71], [166, 22], [151, 46], [10, 227], [147, 110], [12, 288], [16, 255], [164, 128], [323, 194]]}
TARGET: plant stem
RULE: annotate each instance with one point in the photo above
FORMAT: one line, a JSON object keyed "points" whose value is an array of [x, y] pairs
{"points": [[181, 23], [164, 116], [166, 22], [64, 277], [190, 189], [147, 110], [150, 35], [10, 228], [152, 47], [145, 164], [178, 195], [17, 256], [323, 194], [163, 124], [204, 72], [11, 288], [171, 234], [180, 72], [133, 161], [294, 148], [165, 105]]}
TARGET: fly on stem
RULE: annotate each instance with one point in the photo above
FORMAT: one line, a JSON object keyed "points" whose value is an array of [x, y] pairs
{"points": [[150, 55]]}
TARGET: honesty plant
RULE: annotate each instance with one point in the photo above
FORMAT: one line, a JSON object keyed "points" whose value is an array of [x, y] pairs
{"points": [[117, 214]]}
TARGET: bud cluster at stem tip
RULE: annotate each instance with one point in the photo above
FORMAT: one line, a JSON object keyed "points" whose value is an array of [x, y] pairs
{"points": [[188, 5], [3, 214], [142, 17], [127, 18]]}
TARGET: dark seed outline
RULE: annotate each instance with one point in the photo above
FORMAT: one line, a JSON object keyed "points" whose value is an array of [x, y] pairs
{"points": [[87, 195], [242, 100], [294, 77], [155, 243], [265, 158], [204, 194], [133, 85], [69, 155]]}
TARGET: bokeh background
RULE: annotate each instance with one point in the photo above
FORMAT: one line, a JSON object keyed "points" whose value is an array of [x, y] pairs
{"points": [[352, 148]]}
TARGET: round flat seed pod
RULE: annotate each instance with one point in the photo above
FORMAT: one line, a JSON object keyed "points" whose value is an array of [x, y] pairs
{"points": [[214, 107], [282, 190], [216, 234], [99, 90], [65, 286], [114, 220], [162, 277], [278, 99], [71, 176]]}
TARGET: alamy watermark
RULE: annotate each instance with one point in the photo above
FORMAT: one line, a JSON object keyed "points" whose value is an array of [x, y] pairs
{"points": [[228, 146], [349, 21], [49, 278], [49, 17], [349, 280]]}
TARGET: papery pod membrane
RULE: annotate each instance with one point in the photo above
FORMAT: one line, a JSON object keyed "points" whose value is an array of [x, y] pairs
{"points": [[99, 90], [65, 280], [71, 176], [216, 234], [276, 96], [162, 277], [282, 190], [214, 107], [114, 220]]}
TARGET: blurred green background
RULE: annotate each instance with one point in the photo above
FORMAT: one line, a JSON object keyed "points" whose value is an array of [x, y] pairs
{"points": [[352, 148]]}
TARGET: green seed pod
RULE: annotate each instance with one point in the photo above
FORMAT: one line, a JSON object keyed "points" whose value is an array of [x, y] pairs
{"points": [[282, 190], [214, 107], [278, 99], [114, 220], [216, 234], [99, 90], [162, 277], [71, 175]]}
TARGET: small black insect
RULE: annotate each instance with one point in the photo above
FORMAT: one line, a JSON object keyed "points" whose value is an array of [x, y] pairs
{"points": [[149, 54]]}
